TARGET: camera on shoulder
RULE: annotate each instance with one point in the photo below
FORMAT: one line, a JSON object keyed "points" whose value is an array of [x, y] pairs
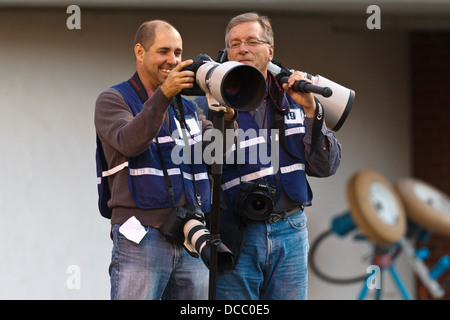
{"points": [[255, 200]]}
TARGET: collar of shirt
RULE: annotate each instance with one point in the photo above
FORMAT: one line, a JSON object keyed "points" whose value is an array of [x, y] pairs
{"points": [[260, 114], [148, 90]]}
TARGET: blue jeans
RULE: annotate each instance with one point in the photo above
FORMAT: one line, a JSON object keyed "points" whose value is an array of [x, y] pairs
{"points": [[272, 264], [155, 269]]}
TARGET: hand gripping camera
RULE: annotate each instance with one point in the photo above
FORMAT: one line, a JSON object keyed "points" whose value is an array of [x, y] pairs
{"points": [[186, 225], [255, 200], [336, 99]]}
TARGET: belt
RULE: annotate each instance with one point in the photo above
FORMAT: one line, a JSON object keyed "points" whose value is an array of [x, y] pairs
{"points": [[274, 217]]}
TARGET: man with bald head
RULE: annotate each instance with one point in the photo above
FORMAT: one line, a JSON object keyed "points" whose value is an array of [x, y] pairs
{"points": [[140, 185]]}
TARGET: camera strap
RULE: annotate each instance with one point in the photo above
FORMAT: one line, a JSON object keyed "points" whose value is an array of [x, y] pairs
{"points": [[137, 85], [277, 113], [169, 185], [179, 112]]}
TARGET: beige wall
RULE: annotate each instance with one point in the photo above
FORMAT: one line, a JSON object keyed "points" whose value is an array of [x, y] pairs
{"points": [[50, 77]]}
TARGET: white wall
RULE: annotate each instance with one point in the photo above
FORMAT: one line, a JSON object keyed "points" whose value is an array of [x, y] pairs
{"points": [[50, 77]]}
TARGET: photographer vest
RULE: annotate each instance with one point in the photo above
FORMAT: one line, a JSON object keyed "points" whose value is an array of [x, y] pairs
{"points": [[146, 177], [291, 174]]}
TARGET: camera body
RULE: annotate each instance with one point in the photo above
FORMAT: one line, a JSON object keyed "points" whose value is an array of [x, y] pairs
{"points": [[172, 228], [198, 61], [186, 226], [255, 200]]}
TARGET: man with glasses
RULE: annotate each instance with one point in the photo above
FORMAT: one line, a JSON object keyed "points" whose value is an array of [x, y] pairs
{"points": [[271, 254]]}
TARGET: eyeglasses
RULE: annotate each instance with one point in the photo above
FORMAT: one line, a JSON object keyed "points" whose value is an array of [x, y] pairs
{"points": [[248, 43]]}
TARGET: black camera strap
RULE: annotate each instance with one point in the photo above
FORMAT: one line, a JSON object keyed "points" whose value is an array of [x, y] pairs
{"points": [[179, 112], [277, 113], [169, 185], [137, 85]]}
